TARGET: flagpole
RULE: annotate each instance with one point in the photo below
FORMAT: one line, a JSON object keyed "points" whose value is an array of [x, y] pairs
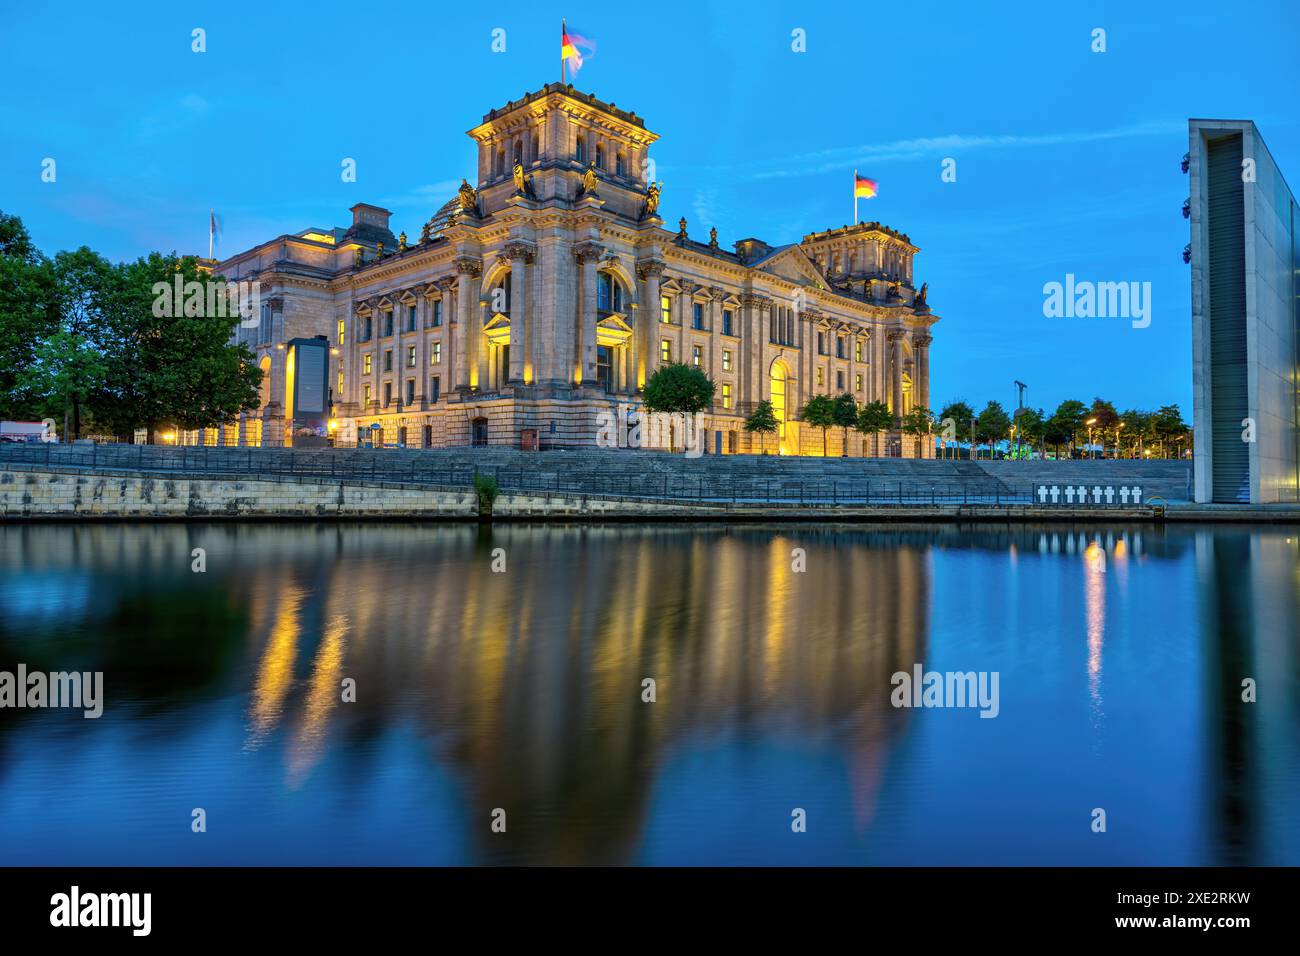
{"points": [[563, 31], [855, 196], [211, 213]]}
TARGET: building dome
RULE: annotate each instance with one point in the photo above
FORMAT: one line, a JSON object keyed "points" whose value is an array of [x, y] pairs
{"points": [[440, 220]]}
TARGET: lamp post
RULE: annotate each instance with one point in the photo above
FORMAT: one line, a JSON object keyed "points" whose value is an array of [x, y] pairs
{"points": [[1118, 451], [1090, 422]]}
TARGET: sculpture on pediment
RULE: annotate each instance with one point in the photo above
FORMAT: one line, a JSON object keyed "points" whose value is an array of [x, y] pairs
{"points": [[589, 181], [896, 290], [468, 197], [358, 256], [713, 238], [920, 296], [401, 243], [523, 184], [681, 228]]}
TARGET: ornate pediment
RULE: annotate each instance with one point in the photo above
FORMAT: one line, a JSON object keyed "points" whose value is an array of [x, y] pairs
{"points": [[793, 265]]}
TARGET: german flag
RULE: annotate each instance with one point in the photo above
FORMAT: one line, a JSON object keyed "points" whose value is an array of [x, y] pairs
{"points": [[573, 47], [863, 187]]}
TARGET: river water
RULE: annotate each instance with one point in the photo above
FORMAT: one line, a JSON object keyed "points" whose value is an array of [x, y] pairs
{"points": [[500, 675]]}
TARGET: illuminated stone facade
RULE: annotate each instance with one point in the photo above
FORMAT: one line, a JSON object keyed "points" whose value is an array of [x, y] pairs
{"points": [[529, 305]]}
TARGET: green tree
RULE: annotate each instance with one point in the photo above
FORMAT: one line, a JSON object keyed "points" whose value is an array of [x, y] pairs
{"points": [[846, 415], [28, 315], [1105, 421], [874, 418], [175, 369], [1069, 418], [68, 366], [956, 416], [675, 387], [1135, 429], [820, 412], [1169, 428], [992, 425], [762, 421], [1031, 426], [918, 421]]}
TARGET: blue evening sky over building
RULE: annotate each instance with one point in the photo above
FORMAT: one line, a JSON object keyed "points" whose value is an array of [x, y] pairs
{"points": [[1067, 160]]}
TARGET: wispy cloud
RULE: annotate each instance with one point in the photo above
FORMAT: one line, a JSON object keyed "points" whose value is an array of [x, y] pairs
{"points": [[929, 147]]}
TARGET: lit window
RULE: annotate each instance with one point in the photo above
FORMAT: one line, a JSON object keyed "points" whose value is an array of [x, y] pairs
{"points": [[341, 326], [665, 310], [435, 357], [410, 356], [821, 376], [857, 383], [696, 354], [365, 363], [726, 360], [726, 395], [666, 350], [367, 392], [857, 352]]}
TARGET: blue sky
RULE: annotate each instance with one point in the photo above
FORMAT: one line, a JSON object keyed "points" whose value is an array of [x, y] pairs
{"points": [[1067, 160]]}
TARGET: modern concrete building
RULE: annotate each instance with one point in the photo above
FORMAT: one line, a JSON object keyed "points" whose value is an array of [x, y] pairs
{"points": [[1245, 256], [545, 296]]}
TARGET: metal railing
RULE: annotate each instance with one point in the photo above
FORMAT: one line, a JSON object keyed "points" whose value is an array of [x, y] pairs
{"points": [[561, 477]]}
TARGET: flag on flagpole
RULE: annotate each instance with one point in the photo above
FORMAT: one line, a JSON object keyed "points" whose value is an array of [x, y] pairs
{"points": [[862, 186], [574, 48]]}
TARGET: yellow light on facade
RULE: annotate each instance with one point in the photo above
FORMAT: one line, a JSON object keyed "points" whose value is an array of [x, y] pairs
{"points": [[333, 424]]}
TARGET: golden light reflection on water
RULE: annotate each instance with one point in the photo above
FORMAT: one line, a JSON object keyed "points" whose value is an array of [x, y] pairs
{"points": [[275, 673], [1094, 590], [324, 691]]}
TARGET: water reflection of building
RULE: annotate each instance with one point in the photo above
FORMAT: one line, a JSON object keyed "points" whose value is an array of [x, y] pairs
{"points": [[530, 681]]}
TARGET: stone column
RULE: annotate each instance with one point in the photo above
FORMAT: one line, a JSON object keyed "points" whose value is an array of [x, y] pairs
{"points": [[520, 255], [587, 254], [647, 319], [468, 269], [896, 372], [445, 370], [921, 387]]}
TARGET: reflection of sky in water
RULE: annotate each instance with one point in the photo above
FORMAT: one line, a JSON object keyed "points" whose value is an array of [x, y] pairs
{"points": [[34, 597], [1119, 654]]}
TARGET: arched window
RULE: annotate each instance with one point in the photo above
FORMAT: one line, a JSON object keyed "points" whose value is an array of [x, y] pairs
{"points": [[600, 156], [609, 293], [537, 148], [519, 151], [580, 151]]}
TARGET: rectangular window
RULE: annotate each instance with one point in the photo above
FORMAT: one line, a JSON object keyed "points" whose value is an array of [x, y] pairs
{"points": [[857, 383], [839, 381], [821, 343], [370, 329], [342, 325], [435, 388], [388, 323], [665, 310], [696, 354], [821, 376], [388, 360], [666, 350], [839, 346], [435, 356], [410, 356], [340, 388], [365, 363], [410, 318], [726, 360], [726, 395], [410, 391], [388, 394], [697, 315], [436, 313], [367, 391], [726, 322], [857, 352]]}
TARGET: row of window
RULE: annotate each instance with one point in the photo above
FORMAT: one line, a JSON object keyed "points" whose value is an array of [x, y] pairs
{"points": [[839, 379], [840, 347], [697, 315], [435, 358], [367, 391], [410, 320]]}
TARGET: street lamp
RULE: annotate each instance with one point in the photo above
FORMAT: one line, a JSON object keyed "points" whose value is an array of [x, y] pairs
{"points": [[1118, 453], [1090, 422]]}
